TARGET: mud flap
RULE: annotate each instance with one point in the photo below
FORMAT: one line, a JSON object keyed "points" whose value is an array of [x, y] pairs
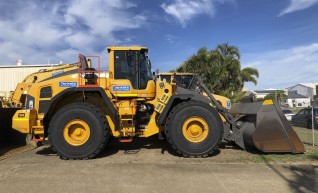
{"points": [[264, 126]]}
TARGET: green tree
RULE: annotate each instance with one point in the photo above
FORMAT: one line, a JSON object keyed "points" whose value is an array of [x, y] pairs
{"points": [[230, 67], [221, 69], [249, 74], [278, 95]]}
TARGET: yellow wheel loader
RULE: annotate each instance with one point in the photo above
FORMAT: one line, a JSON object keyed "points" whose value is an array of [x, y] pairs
{"points": [[78, 107]]}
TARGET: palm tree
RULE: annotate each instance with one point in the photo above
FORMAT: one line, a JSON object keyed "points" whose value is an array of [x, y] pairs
{"points": [[220, 68], [249, 74], [229, 57], [278, 95], [226, 50]]}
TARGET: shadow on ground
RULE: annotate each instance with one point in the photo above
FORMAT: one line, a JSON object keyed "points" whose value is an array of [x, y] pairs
{"points": [[114, 146], [5, 148], [304, 178], [134, 147]]}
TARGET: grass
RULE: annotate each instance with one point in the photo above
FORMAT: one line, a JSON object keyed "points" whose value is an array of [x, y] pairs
{"points": [[310, 156], [305, 135]]}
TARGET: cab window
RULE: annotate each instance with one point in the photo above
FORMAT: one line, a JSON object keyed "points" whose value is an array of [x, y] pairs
{"points": [[126, 67], [301, 112]]}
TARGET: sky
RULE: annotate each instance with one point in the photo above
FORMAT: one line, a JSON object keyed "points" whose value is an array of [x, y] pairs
{"points": [[278, 37]]}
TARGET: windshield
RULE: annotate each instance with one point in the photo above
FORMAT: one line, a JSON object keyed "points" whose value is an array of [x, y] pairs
{"points": [[145, 70], [185, 81], [286, 111]]}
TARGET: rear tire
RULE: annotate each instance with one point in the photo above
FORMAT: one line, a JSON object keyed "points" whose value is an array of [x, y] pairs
{"points": [[78, 131], [194, 129]]}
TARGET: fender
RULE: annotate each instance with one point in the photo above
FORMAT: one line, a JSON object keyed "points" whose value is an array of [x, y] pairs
{"points": [[48, 107], [181, 96]]}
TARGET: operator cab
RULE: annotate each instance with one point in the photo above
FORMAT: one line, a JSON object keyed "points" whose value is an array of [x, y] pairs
{"points": [[130, 71]]}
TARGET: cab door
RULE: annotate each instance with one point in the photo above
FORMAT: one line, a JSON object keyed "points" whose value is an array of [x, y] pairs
{"points": [[125, 82], [132, 75]]}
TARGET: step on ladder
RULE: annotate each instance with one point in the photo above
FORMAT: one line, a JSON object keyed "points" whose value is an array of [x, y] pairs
{"points": [[127, 139]]}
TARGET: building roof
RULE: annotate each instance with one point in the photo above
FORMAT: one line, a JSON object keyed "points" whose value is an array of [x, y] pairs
{"points": [[249, 92], [296, 96], [265, 91], [28, 66], [310, 85]]}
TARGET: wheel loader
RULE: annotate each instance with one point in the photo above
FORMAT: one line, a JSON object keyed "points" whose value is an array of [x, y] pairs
{"points": [[77, 107]]}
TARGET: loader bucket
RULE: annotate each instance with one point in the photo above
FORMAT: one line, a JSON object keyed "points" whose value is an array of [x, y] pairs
{"points": [[9, 136], [264, 126]]}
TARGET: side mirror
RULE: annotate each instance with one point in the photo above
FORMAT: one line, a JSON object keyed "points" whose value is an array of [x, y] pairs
{"points": [[174, 77], [149, 64], [154, 76]]}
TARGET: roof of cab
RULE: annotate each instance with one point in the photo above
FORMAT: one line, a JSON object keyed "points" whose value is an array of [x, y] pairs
{"points": [[177, 73], [126, 48]]}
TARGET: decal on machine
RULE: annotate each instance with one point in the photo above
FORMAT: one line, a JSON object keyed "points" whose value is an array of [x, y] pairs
{"points": [[228, 104], [67, 84], [121, 88]]}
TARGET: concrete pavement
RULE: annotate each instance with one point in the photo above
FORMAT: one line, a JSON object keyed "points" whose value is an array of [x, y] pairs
{"points": [[148, 170]]}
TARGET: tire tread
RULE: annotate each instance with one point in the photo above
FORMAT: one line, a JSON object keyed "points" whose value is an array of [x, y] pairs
{"points": [[177, 108], [99, 114]]}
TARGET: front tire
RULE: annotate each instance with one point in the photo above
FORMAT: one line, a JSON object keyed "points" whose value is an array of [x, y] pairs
{"points": [[78, 131], [194, 129]]}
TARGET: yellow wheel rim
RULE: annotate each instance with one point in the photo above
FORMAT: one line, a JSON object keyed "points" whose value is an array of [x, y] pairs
{"points": [[195, 129], [76, 132]]}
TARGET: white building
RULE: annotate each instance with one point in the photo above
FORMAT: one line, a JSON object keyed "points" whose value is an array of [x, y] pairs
{"points": [[11, 75], [298, 100], [305, 89]]}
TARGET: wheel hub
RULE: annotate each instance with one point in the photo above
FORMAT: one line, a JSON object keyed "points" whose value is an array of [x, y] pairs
{"points": [[195, 129], [76, 132]]}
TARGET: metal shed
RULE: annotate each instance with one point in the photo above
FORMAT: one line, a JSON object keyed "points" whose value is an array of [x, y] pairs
{"points": [[11, 75]]}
